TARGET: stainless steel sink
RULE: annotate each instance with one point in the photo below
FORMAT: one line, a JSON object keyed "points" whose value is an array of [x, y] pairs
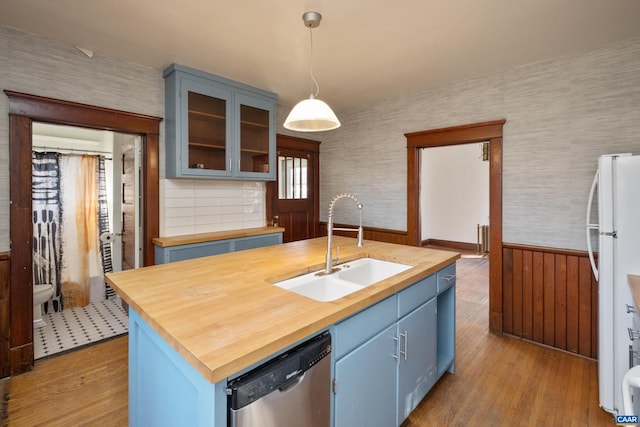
{"points": [[351, 277]]}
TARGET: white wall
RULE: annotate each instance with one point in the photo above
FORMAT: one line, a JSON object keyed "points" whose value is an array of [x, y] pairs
{"points": [[561, 114], [454, 192], [44, 67]]}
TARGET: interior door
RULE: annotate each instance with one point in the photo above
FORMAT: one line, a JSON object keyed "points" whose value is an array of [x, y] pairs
{"points": [[125, 245], [292, 200]]}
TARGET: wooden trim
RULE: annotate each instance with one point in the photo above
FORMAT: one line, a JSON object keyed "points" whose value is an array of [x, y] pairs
{"points": [[295, 143], [5, 366], [476, 132], [57, 111], [413, 196], [486, 131], [449, 244], [370, 233], [24, 109], [544, 249], [550, 297], [495, 230]]}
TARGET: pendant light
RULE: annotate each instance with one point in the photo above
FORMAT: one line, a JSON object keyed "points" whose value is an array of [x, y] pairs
{"points": [[311, 115]]}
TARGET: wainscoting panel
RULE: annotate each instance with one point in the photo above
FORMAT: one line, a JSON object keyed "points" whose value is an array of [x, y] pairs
{"points": [[370, 233], [4, 315], [550, 296]]}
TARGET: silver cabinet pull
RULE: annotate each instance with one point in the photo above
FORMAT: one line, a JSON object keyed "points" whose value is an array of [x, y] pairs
{"points": [[630, 308], [633, 334], [450, 277], [406, 344], [397, 355]]}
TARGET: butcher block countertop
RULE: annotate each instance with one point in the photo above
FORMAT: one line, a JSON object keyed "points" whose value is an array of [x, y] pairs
{"points": [[222, 313], [189, 239]]}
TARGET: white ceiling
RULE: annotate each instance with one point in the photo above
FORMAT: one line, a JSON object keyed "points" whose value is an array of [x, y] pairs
{"points": [[364, 50]]}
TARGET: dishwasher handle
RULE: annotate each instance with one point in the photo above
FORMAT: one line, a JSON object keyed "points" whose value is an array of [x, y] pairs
{"points": [[291, 382]]}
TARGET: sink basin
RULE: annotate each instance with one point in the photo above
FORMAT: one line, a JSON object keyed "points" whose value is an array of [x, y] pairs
{"points": [[366, 271], [319, 288], [352, 276]]}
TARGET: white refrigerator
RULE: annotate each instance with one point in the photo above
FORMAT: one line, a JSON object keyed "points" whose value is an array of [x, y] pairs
{"points": [[617, 186]]}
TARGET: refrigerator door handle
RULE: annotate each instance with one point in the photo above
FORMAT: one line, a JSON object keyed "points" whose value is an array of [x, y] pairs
{"points": [[591, 226]]}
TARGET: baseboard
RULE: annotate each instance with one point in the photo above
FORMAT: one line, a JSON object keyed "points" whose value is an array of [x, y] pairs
{"points": [[449, 244]]}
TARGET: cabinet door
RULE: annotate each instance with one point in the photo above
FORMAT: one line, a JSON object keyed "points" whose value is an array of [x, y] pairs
{"points": [[366, 383], [418, 357], [206, 129], [255, 149]]}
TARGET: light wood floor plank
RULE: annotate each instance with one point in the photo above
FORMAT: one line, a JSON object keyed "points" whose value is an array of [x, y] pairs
{"points": [[499, 381]]}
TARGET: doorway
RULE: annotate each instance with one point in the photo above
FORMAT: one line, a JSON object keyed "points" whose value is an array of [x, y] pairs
{"points": [[85, 207], [24, 109], [478, 132], [454, 197]]}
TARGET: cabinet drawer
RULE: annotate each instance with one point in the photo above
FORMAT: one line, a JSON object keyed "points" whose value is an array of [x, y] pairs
{"points": [[446, 277], [363, 325], [416, 295]]}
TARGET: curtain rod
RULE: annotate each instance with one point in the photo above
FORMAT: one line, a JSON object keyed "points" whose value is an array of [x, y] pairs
{"points": [[73, 150]]}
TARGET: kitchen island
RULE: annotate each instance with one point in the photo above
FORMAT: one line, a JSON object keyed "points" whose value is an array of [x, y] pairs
{"points": [[195, 324]]}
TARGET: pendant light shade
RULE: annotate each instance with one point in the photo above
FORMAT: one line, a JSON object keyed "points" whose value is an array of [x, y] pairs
{"points": [[312, 114]]}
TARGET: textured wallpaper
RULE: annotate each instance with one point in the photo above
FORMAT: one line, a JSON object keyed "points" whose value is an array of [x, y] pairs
{"points": [[44, 67], [561, 114]]}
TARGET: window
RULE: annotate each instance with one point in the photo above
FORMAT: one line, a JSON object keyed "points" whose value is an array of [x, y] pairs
{"points": [[292, 178]]}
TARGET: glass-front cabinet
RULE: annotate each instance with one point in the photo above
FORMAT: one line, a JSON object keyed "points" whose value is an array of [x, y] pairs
{"points": [[217, 128]]}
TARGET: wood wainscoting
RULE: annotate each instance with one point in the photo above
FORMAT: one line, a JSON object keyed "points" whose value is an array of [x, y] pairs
{"points": [[550, 296], [370, 233], [4, 315]]}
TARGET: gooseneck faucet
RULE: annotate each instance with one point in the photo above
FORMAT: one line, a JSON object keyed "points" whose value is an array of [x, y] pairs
{"points": [[329, 264]]}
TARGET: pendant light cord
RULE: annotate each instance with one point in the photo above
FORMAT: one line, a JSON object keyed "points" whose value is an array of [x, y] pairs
{"points": [[311, 65]]}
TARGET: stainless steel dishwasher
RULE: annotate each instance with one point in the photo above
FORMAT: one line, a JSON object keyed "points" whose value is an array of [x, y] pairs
{"points": [[290, 390]]}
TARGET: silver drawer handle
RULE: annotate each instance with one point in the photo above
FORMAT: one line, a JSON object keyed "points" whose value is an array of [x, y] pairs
{"points": [[401, 351], [406, 338], [633, 334], [450, 277], [630, 308]]}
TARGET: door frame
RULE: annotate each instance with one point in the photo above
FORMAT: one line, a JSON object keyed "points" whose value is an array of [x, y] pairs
{"points": [[24, 109], [491, 131]]}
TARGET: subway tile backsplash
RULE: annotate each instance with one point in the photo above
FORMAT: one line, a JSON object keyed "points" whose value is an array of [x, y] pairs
{"points": [[202, 206]]}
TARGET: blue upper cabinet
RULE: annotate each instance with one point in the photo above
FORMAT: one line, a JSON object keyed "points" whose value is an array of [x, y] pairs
{"points": [[217, 128]]}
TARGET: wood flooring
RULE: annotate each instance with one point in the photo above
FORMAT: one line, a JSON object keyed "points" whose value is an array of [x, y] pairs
{"points": [[499, 381]]}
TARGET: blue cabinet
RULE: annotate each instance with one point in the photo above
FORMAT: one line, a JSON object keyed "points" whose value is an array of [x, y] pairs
{"points": [[165, 254], [366, 383], [380, 377], [217, 128], [446, 314], [417, 362]]}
